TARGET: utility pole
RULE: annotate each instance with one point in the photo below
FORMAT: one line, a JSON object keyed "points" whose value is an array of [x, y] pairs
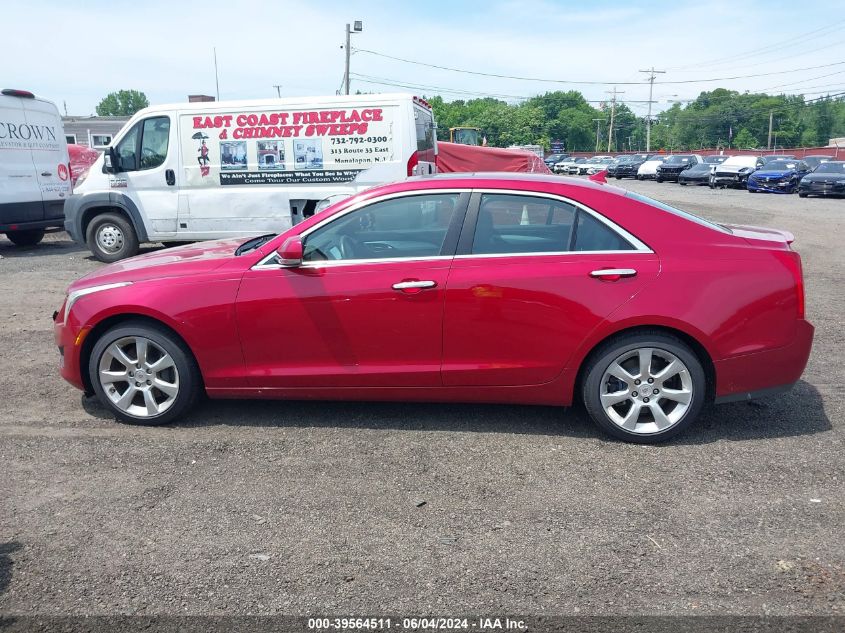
{"points": [[216, 81], [651, 76], [278, 88], [357, 27], [612, 115], [598, 124], [771, 118]]}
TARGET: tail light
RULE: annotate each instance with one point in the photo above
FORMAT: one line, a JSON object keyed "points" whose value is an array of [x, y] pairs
{"points": [[70, 176], [792, 261], [413, 161]]}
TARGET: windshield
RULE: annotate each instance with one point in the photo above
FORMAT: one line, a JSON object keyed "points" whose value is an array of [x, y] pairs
{"points": [[831, 168], [782, 165], [715, 160], [683, 214], [741, 161], [677, 160]]}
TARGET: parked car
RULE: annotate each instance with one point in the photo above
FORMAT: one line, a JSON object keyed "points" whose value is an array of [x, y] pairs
{"points": [[816, 160], [552, 159], [828, 179], [627, 166], [595, 165], [698, 174], [715, 159], [671, 168], [397, 293], [734, 172], [562, 166], [572, 168], [35, 174], [769, 158], [777, 176], [648, 170]]}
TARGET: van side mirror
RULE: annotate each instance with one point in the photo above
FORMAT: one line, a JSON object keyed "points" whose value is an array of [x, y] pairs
{"points": [[110, 162], [290, 253]]}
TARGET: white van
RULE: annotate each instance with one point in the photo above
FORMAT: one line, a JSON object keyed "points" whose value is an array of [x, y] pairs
{"points": [[199, 171], [35, 177]]}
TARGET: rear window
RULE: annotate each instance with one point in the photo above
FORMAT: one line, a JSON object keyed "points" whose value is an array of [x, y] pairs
{"points": [[425, 129], [683, 214]]}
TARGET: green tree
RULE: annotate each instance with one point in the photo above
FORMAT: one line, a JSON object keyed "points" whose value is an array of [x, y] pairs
{"points": [[122, 103], [745, 140]]}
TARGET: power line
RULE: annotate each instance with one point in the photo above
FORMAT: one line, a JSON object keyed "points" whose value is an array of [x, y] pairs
{"points": [[593, 83], [760, 51]]}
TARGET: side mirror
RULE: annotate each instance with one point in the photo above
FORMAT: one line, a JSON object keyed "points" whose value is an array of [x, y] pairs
{"points": [[110, 162], [290, 253]]}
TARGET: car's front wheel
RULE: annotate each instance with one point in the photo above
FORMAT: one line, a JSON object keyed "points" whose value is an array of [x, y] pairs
{"points": [[645, 387], [143, 374]]}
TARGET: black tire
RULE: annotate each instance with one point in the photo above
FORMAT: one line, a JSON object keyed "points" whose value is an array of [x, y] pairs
{"points": [[120, 230], [802, 195], [600, 360], [29, 237], [659, 179], [188, 376], [618, 177]]}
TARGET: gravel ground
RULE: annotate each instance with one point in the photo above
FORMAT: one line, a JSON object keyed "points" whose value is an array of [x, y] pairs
{"points": [[315, 508]]}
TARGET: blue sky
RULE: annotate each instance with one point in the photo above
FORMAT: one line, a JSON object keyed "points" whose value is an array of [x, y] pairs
{"points": [[165, 48]]}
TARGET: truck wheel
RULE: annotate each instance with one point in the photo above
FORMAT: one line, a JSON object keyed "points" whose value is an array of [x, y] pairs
{"points": [[29, 237], [111, 237]]}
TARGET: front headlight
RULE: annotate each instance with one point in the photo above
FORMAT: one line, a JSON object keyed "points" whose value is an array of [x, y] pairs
{"points": [[74, 296]]}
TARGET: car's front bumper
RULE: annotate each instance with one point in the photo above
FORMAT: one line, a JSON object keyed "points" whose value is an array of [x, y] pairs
{"points": [[731, 180], [783, 186], [69, 337], [822, 189]]}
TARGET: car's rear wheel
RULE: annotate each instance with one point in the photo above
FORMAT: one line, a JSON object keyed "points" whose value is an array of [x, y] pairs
{"points": [[29, 237], [802, 195], [644, 387], [659, 179], [111, 237], [143, 374]]}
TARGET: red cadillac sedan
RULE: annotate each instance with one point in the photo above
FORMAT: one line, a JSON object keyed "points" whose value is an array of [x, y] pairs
{"points": [[464, 288]]}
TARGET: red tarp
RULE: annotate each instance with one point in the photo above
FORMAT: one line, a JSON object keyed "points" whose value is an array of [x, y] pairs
{"points": [[452, 157], [81, 158]]}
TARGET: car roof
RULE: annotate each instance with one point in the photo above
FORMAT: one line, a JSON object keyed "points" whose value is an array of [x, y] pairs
{"points": [[503, 179]]}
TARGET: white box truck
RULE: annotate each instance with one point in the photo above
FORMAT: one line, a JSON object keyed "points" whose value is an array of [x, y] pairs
{"points": [[199, 171], [35, 178]]}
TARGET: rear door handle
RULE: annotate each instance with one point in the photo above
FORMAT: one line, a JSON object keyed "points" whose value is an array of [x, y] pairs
{"points": [[613, 274], [170, 177], [414, 285], [46, 174]]}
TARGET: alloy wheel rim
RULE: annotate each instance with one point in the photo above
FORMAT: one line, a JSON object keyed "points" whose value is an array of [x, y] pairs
{"points": [[646, 390], [139, 376], [110, 238]]}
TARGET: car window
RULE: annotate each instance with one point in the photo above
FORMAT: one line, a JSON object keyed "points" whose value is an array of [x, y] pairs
{"points": [[593, 235], [410, 226], [127, 150], [522, 224], [154, 140]]}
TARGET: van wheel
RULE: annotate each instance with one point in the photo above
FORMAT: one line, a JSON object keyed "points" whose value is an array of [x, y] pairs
{"points": [[30, 237], [111, 237], [644, 387]]}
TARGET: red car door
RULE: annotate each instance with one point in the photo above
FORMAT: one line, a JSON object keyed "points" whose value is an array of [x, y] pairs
{"points": [[532, 279], [365, 309]]}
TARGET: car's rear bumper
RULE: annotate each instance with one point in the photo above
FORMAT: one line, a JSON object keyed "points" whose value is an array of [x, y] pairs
{"points": [[750, 375]]}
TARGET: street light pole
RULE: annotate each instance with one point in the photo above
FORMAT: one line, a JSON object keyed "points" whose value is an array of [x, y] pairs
{"points": [[357, 27]]}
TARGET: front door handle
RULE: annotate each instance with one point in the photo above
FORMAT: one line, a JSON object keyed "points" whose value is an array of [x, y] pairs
{"points": [[613, 274], [414, 285], [170, 177]]}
